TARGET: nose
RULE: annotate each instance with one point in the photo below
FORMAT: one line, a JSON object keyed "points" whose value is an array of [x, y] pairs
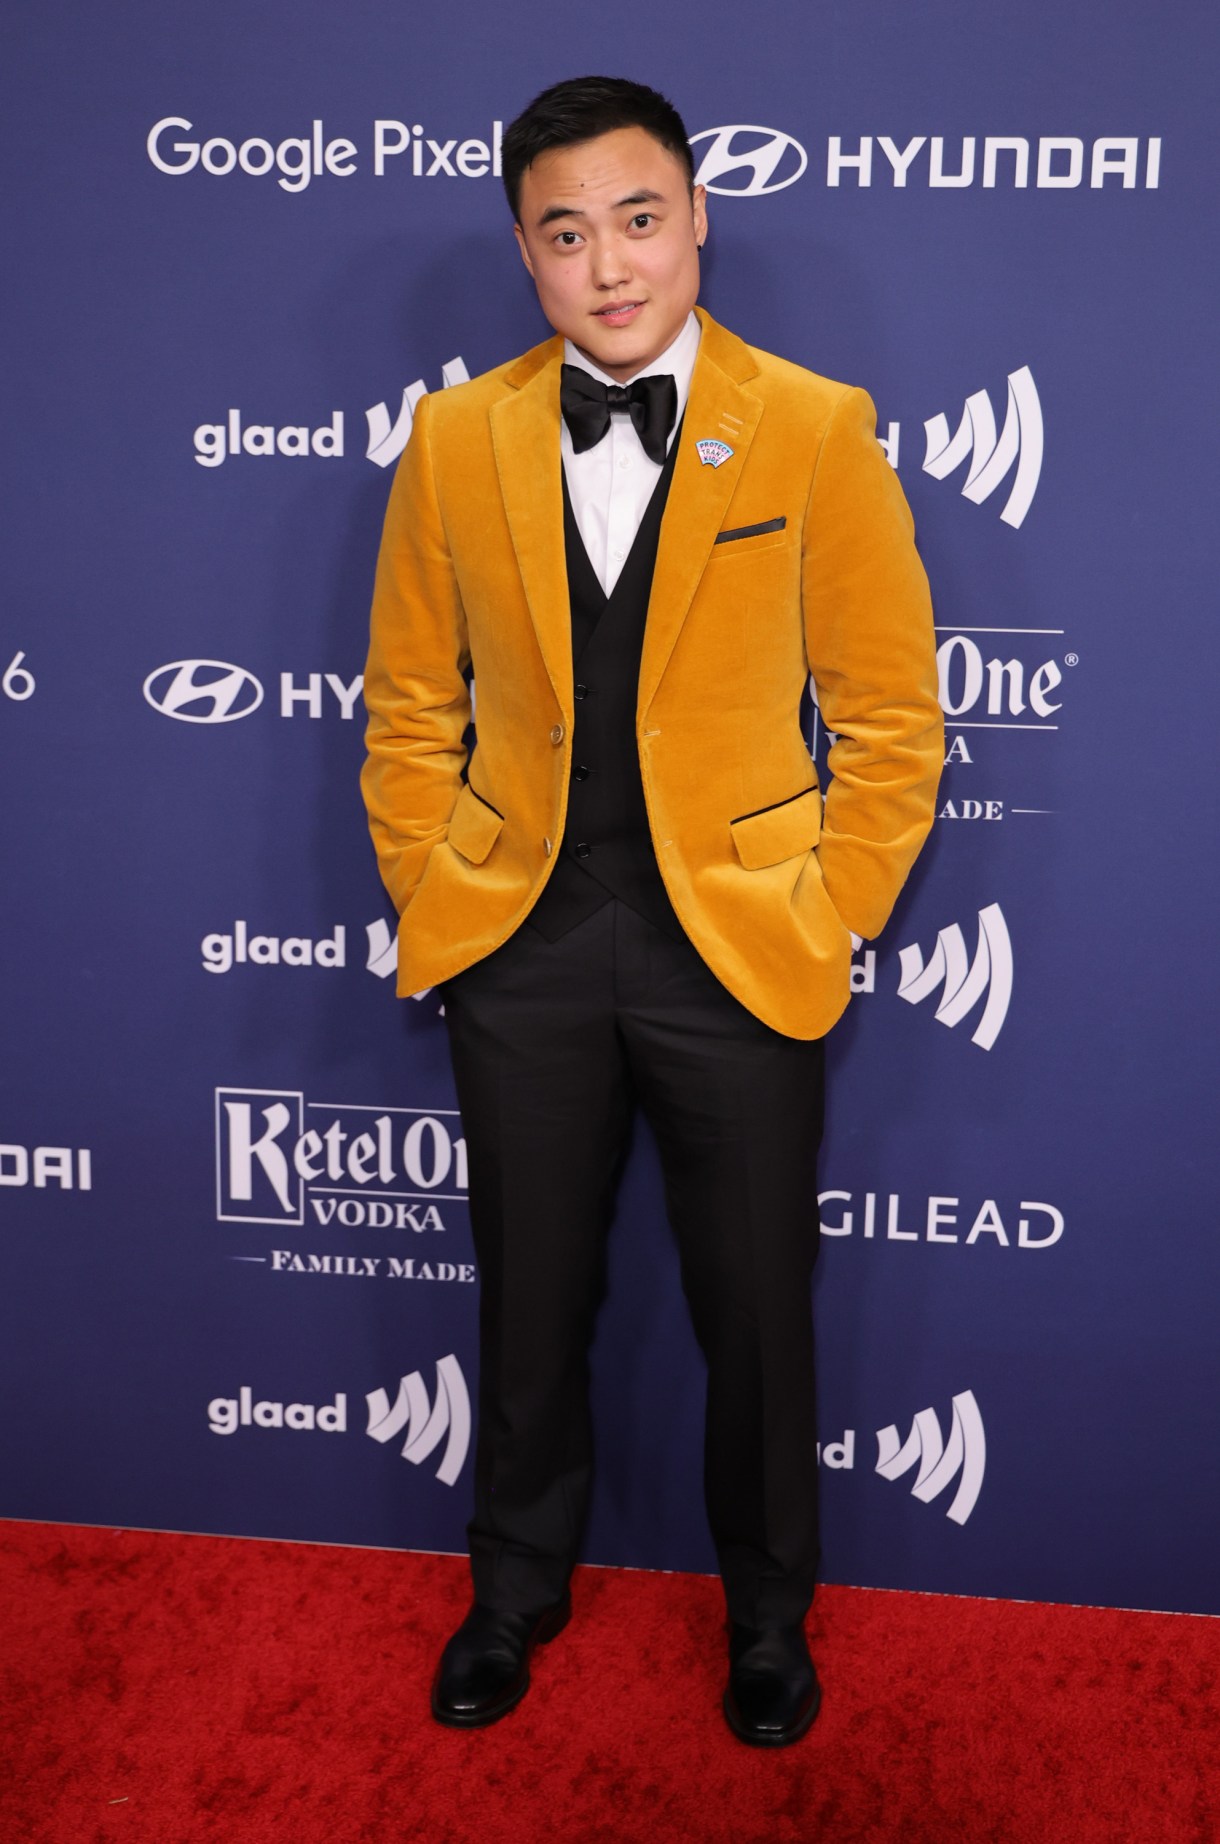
{"points": [[610, 266]]}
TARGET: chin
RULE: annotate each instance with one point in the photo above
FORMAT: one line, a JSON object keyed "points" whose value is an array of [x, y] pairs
{"points": [[627, 348], [620, 351]]}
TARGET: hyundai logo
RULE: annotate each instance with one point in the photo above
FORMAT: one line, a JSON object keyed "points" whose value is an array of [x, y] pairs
{"points": [[203, 691], [761, 160]]}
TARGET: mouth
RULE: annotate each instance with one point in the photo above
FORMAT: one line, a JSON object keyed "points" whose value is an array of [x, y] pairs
{"points": [[619, 313]]}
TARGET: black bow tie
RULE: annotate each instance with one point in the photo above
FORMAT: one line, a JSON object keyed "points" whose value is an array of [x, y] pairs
{"points": [[651, 403]]}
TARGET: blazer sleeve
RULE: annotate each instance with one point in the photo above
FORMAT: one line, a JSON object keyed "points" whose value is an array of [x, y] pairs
{"points": [[415, 692], [871, 649]]}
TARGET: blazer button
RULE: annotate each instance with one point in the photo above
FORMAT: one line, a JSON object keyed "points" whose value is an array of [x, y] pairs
{"points": [[582, 691], [546, 846], [557, 733], [582, 850], [582, 773]]}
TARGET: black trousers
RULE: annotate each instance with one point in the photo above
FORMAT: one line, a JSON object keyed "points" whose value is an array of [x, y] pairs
{"points": [[553, 1044]]}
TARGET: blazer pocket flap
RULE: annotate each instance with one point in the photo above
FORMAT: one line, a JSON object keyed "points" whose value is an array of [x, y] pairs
{"points": [[775, 833], [473, 826]]}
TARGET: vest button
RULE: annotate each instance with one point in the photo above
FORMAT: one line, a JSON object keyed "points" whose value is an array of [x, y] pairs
{"points": [[557, 733], [582, 691], [581, 773], [582, 850]]}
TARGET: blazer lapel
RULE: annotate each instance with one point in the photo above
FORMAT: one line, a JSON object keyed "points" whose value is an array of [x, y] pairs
{"points": [[525, 440], [719, 407]]}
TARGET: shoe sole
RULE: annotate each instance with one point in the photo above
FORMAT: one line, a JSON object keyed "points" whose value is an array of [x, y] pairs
{"points": [[548, 1629], [774, 1738]]}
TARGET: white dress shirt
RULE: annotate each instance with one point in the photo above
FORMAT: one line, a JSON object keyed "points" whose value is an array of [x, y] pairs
{"points": [[611, 483]]}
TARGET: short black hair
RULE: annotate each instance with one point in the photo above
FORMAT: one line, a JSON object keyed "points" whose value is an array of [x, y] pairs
{"points": [[580, 109]]}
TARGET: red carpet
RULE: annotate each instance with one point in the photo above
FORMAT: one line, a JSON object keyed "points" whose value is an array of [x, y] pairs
{"points": [[162, 1690]]}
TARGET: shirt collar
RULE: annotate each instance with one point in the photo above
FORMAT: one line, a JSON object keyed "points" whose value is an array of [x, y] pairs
{"points": [[678, 359]]}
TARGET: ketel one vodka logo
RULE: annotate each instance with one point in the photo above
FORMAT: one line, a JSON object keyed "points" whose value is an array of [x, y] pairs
{"points": [[278, 1155]]}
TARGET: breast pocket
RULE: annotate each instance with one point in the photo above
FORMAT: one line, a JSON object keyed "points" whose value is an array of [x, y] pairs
{"points": [[747, 540]]}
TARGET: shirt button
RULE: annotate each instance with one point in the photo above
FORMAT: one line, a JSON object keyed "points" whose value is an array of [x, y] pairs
{"points": [[582, 850], [557, 733], [625, 461], [617, 555], [582, 691]]}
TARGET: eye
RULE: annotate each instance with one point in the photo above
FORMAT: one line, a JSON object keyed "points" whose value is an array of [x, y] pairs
{"points": [[642, 220], [568, 239]]}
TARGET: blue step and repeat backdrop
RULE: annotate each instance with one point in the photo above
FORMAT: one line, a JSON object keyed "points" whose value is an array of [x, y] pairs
{"points": [[239, 1287]]}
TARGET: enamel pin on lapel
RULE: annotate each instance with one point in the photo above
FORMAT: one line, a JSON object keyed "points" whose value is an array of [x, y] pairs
{"points": [[711, 452]]}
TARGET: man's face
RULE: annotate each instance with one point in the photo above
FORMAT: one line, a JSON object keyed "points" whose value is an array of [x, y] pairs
{"points": [[610, 234]]}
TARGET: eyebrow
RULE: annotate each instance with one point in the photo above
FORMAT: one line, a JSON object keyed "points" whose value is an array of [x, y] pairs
{"points": [[642, 197]]}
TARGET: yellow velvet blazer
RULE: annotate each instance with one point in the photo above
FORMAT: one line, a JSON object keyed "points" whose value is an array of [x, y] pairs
{"points": [[471, 571]]}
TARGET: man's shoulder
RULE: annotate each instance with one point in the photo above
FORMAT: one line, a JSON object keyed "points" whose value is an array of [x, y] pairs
{"points": [[460, 404], [800, 381], [802, 391]]}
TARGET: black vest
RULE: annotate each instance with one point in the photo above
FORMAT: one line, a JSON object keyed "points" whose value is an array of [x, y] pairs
{"points": [[607, 848]]}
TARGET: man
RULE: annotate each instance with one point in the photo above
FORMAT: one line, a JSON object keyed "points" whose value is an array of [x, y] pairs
{"points": [[643, 536]]}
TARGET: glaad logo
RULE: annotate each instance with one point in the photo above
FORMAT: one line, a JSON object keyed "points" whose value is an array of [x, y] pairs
{"points": [[226, 1414], [386, 443], [426, 1423], [383, 956], [991, 457], [964, 982], [764, 160], [939, 1464], [221, 952], [383, 950], [214, 442], [203, 691]]}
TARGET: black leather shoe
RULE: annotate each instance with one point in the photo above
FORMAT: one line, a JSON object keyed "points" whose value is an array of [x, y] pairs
{"points": [[485, 1668], [773, 1692]]}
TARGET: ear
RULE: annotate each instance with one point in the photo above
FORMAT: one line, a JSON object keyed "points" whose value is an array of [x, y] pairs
{"points": [[519, 234], [699, 214]]}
